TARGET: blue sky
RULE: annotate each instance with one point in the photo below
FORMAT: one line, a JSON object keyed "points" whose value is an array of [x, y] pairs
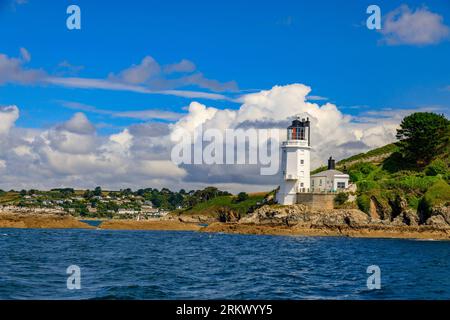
{"points": [[257, 44]]}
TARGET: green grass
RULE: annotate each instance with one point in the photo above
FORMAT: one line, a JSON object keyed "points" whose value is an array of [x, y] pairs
{"points": [[9, 197], [385, 150], [437, 194], [211, 207]]}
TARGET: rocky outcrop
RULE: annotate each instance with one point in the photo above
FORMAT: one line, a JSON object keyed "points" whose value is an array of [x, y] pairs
{"points": [[301, 215], [440, 217], [407, 217], [228, 215]]}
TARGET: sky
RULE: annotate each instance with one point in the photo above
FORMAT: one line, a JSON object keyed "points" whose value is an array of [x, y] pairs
{"points": [[99, 105]]}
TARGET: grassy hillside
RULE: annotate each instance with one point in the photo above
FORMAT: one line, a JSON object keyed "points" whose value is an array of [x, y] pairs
{"points": [[212, 207], [386, 180]]}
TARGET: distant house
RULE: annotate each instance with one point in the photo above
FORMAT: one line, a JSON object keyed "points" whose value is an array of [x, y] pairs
{"points": [[92, 209], [127, 211], [331, 180]]}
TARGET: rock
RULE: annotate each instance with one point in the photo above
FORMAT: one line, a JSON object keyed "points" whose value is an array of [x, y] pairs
{"points": [[407, 217], [411, 218], [442, 211], [438, 222], [228, 215], [300, 215]]}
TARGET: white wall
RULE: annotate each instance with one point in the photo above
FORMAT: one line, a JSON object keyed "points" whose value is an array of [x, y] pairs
{"points": [[295, 171]]}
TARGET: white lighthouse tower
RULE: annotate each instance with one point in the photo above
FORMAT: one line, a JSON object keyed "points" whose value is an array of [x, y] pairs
{"points": [[295, 162]]}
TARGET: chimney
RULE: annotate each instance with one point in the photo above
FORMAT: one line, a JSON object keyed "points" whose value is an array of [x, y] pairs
{"points": [[331, 164]]}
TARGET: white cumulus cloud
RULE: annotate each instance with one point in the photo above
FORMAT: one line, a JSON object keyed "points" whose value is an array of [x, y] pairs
{"points": [[404, 26]]}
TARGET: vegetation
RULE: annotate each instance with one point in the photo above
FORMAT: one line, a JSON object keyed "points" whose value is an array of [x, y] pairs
{"points": [[242, 196], [405, 171], [421, 136], [214, 206], [341, 198], [438, 194]]}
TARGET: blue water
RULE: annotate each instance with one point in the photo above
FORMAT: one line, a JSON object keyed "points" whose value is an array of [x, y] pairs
{"points": [[92, 223], [190, 265]]}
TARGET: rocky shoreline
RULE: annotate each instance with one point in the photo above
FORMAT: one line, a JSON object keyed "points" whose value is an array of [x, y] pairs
{"points": [[296, 220]]}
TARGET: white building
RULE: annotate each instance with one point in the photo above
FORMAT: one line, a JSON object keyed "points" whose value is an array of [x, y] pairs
{"points": [[296, 166], [295, 162], [330, 180]]}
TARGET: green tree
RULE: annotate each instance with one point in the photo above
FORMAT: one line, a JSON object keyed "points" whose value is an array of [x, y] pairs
{"points": [[422, 135], [242, 196], [98, 191]]}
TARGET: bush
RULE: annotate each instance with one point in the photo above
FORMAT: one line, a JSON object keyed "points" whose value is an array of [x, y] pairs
{"points": [[411, 183], [360, 171], [242, 196], [341, 198], [364, 186], [436, 195], [436, 167], [363, 202]]}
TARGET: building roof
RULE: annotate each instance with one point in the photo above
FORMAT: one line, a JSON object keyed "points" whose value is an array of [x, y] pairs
{"points": [[329, 174]]}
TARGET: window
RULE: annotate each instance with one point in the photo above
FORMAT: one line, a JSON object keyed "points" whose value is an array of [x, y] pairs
{"points": [[341, 185], [302, 161], [320, 182], [312, 183], [302, 184]]}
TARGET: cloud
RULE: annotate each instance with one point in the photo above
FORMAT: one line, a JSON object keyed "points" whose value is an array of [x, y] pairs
{"points": [[8, 116], [12, 70], [183, 66], [420, 27], [152, 75], [138, 74], [138, 114], [73, 154], [78, 124], [86, 83], [317, 98], [148, 77], [66, 68]]}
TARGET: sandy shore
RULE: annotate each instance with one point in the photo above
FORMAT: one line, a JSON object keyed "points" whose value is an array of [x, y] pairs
{"points": [[8, 220], [67, 222], [168, 225]]}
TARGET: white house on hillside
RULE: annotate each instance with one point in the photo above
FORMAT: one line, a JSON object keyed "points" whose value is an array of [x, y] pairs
{"points": [[331, 180]]}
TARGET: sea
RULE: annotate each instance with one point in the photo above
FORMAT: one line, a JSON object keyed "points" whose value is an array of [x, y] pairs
{"points": [[102, 264]]}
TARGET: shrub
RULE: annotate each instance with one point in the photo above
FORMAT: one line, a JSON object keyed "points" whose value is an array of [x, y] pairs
{"points": [[341, 198], [364, 186], [436, 195], [363, 202], [242, 196], [360, 171], [436, 167]]}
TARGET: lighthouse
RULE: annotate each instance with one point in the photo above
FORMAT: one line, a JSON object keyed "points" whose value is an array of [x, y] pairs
{"points": [[295, 162]]}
